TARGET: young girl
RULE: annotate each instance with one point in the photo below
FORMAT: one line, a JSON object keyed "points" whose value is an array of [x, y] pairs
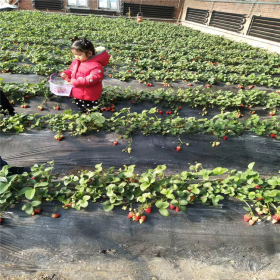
{"points": [[86, 73]]}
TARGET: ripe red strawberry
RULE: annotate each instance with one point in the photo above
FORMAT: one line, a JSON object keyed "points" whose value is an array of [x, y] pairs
{"points": [[60, 138], [177, 209], [189, 84], [272, 135], [225, 138], [241, 105], [137, 217], [257, 187], [131, 101], [38, 211], [67, 205], [192, 197], [1, 220], [130, 215], [179, 107], [160, 112], [55, 216], [260, 198], [207, 86], [253, 112], [57, 108], [170, 112], [276, 217], [178, 148], [246, 218], [172, 207], [24, 106], [250, 87], [271, 114], [115, 143], [240, 86], [148, 210], [142, 219]]}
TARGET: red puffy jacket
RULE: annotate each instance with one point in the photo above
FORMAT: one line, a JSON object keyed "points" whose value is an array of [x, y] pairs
{"points": [[86, 77]]}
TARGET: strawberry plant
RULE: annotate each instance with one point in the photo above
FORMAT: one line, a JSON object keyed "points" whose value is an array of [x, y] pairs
{"points": [[152, 187]]}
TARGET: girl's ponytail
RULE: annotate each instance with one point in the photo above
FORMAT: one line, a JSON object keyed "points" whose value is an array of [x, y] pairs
{"points": [[74, 39], [83, 45]]}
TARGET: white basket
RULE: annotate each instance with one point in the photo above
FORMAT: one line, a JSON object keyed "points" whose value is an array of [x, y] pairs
{"points": [[58, 86]]}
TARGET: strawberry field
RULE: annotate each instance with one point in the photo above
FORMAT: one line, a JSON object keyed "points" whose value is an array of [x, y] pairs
{"points": [[188, 120]]}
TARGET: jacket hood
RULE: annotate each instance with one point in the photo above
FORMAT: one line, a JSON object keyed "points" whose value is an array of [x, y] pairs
{"points": [[101, 56]]}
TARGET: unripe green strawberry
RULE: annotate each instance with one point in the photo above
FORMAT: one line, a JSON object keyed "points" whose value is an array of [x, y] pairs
{"points": [[251, 222]]}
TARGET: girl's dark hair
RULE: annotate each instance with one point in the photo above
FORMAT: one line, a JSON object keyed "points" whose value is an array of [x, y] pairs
{"points": [[82, 45]]}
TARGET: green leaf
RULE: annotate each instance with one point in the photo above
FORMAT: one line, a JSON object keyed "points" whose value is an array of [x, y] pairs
{"points": [[3, 180], [141, 199], [84, 203], [183, 208], [23, 190], [183, 202], [4, 187], [144, 186], [35, 203], [107, 206], [219, 170], [86, 197], [41, 184], [174, 202], [251, 165], [162, 204], [27, 207], [203, 199], [251, 195], [29, 194], [164, 212]]}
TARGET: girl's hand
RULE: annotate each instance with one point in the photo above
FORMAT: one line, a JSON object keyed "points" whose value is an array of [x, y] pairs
{"points": [[63, 76]]}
